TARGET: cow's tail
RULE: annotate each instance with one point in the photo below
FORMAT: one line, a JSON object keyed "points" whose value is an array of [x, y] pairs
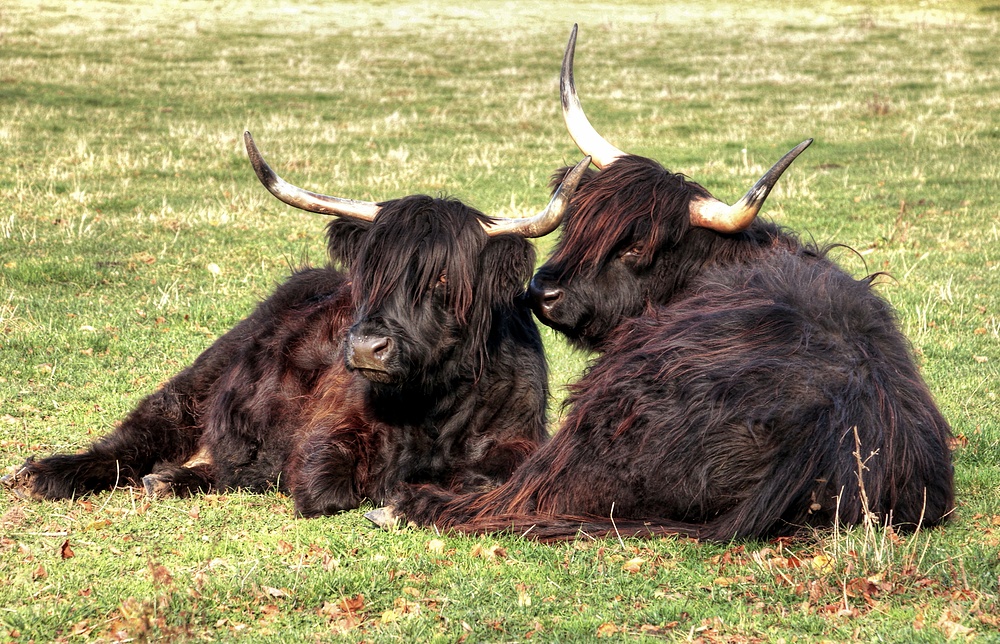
{"points": [[548, 529], [768, 511], [552, 528], [428, 505]]}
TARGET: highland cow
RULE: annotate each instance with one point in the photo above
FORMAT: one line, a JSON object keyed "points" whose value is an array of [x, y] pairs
{"points": [[420, 363], [745, 387]]}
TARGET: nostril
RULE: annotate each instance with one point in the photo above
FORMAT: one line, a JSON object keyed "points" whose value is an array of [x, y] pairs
{"points": [[540, 292], [381, 347], [545, 296], [550, 296], [369, 352]]}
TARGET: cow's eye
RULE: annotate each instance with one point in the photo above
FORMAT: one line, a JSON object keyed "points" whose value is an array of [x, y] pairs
{"points": [[633, 251], [442, 280]]}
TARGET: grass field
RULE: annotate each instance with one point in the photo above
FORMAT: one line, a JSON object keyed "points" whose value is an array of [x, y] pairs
{"points": [[133, 232]]}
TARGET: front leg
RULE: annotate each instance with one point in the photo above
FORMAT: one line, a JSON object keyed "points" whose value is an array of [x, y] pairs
{"points": [[420, 504], [322, 477], [196, 475], [495, 466], [160, 429]]}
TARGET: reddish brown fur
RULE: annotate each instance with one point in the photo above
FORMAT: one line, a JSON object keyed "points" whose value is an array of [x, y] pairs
{"points": [[459, 399], [745, 387]]}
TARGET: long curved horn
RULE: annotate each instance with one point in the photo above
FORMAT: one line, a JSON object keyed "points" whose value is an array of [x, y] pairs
{"points": [[580, 129], [548, 220], [716, 215], [304, 199]]}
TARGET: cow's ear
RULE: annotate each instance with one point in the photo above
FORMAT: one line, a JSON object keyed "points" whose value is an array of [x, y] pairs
{"points": [[505, 267], [343, 240]]}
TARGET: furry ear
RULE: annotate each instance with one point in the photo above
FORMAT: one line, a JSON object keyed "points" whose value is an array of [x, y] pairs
{"points": [[505, 266], [343, 240]]}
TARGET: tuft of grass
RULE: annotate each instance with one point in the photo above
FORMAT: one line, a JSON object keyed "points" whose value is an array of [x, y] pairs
{"points": [[133, 233]]}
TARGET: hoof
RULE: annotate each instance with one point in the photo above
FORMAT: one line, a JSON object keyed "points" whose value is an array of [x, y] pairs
{"points": [[383, 518], [156, 487], [18, 482]]}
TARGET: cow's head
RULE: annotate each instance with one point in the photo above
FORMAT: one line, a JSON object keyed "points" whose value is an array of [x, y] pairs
{"points": [[428, 275], [634, 234]]}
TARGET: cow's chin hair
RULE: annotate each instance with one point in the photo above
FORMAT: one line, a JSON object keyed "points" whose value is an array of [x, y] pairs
{"points": [[577, 336], [376, 376]]}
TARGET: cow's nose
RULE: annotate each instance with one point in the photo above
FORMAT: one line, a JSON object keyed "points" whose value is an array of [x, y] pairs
{"points": [[370, 352], [545, 297]]}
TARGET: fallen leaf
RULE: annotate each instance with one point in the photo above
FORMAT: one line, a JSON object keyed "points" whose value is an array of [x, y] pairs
{"points": [[275, 592], [988, 619], [81, 628], [535, 629], [822, 563], [344, 624], [403, 606], [435, 546], [491, 553], [161, 576], [859, 587], [607, 629], [352, 604], [633, 565], [65, 551], [948, 623]]}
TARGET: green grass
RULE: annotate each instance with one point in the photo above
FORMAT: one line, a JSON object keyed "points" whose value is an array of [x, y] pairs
{"points": [[132, 233]]}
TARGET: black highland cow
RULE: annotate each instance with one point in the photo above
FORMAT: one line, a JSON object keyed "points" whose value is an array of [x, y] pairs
{"points": [[421, 363], [746, 386]]}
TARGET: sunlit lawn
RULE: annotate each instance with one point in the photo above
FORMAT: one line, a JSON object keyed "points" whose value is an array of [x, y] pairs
{"points": [[132, 233]]}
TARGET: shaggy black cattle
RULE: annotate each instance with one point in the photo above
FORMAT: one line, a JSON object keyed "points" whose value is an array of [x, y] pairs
{"points": [[421, 363], [746, 386]]}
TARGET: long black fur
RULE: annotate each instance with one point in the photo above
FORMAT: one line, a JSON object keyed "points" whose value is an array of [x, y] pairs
{"points": [[275, 403], [745, 387]]}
